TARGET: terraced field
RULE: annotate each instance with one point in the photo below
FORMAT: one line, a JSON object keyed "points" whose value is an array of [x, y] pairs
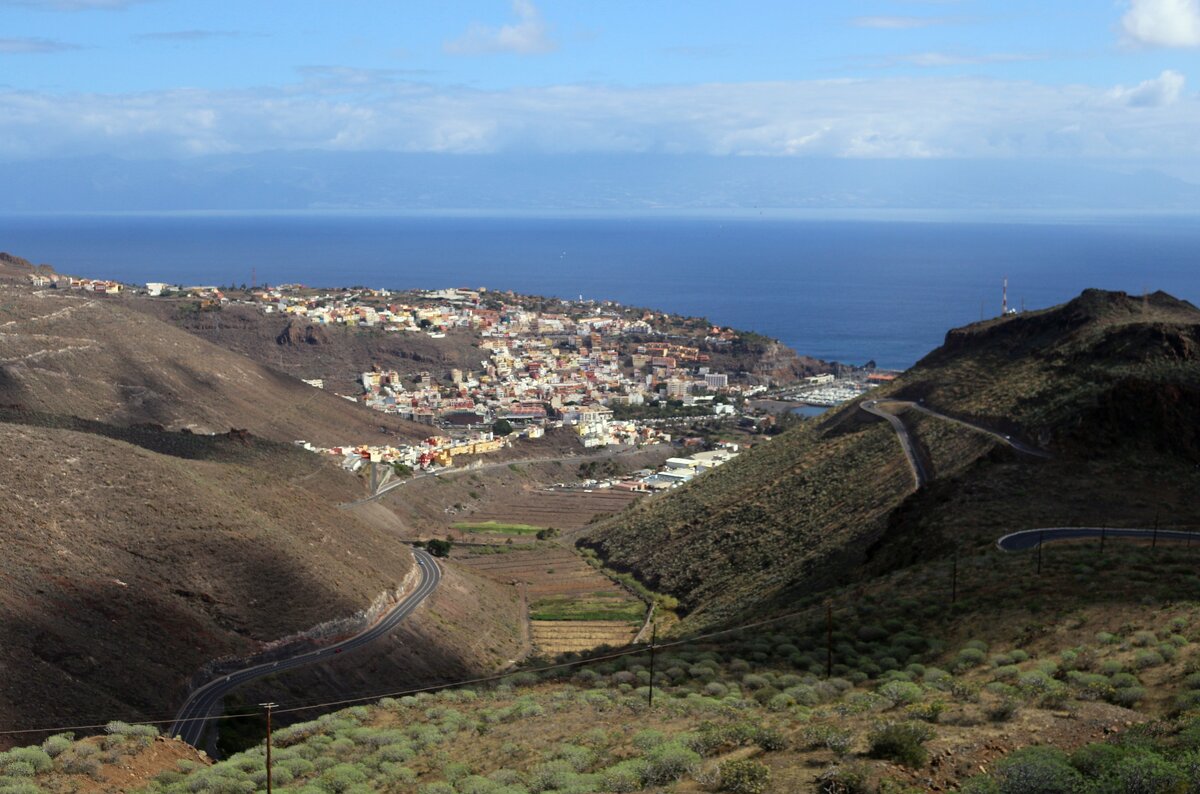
{"points": [[572, 606], [561, 509]]}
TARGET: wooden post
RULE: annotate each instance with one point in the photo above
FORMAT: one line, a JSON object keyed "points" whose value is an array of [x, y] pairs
{"points": [[268, 707], [1154, 537], [653, 640], [1103, 534], [1041, 538]]}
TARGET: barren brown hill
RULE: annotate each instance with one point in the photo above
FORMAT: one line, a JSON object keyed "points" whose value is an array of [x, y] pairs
{"points": [[303, 350], [128, 564], [67, 353], [14, 268]]}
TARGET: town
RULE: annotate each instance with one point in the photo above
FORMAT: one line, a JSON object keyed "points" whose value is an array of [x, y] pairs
{"points": [[609, 374]]}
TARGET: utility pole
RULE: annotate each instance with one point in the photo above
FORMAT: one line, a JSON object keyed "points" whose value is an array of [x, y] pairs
{"points": [[653, 642], [829, 639], [1154, 537], [1041, 537], [268, 707], [1103, 533]]}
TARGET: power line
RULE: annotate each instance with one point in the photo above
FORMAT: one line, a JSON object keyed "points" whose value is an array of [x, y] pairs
{"points": [[630, 651]]}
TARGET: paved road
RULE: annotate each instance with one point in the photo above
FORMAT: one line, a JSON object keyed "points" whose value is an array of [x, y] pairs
{"points": [[485, 467], [196, 712], [918, 468], [1001, 437], [1031, 538], [873, 407]]}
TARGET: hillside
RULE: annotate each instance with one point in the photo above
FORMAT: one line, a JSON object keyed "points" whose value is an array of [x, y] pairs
{"points": [[134, 556], [925, 695], [68, 353], [14, 268], [1066, 376], [830, 501], [336, 355]]}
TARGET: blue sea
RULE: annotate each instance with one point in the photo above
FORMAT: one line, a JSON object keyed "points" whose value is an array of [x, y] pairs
{"points": [[850, 289]]}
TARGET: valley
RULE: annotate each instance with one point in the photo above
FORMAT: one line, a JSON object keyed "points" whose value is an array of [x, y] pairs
{"points": [[834, 609]]}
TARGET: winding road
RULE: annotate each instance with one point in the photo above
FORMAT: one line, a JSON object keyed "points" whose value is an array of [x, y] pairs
{"points": [[874, 408], [574, 456], [1031, 538], [910, 452], [1024, 539], [193, 717]]}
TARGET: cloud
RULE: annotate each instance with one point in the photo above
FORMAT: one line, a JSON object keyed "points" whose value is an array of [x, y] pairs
{"points": [[1163, 23], [899, 23], [1162, 90], [33, 46], [188, 35], [939, 59], [339, 109], [527, 36]]}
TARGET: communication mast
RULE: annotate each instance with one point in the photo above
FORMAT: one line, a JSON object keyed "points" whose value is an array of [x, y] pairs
{"points": [[1004, 299]]}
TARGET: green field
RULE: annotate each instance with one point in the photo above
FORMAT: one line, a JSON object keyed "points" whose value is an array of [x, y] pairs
{"points": [[497, 528], [601, 606]]}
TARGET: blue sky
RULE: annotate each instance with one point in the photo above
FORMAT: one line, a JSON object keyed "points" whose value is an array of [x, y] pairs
{"points": [[1094, 80]]}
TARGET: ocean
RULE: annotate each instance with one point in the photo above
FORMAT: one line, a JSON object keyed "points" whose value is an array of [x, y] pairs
{"points": [[844, 289]]}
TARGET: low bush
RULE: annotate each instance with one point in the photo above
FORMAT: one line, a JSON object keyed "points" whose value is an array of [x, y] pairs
{"points": [[902, 742], [744, 777], [1037, 770], [669, 762], [900, 693], [844, 779]]}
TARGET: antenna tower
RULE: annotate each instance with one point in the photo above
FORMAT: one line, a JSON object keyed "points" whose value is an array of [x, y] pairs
{"points": [[1004, 299], [253, 278]]}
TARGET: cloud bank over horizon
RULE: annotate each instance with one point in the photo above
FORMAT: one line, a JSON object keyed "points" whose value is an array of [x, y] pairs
{"points": [[355, 110]]}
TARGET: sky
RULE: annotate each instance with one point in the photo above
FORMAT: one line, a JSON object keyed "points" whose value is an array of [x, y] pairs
{"points": [[1108, 81]]}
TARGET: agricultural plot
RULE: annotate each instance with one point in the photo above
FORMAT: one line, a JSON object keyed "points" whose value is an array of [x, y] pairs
{"points": [[572, 606], [560, 509], [496, 528]]}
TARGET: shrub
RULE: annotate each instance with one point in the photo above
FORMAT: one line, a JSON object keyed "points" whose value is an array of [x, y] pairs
{"points": [[37, 759], [929, 711], [1142, 639], [1127, 696], [1097, 761], [1002, 709], [342, 777], [1146, 773], [1147, 658], [580, 758], [551, 775], [625, 776], [19, 769], [744, 777], [902, 742], [900, 693], [1035, 770], [770, 740], [648, 739], [844, 779], [968, 658], [58, 743], [839, 740], [669, 762]]}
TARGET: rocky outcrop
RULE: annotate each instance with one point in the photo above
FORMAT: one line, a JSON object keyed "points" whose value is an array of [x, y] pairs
{"points": [[298, 333]]}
